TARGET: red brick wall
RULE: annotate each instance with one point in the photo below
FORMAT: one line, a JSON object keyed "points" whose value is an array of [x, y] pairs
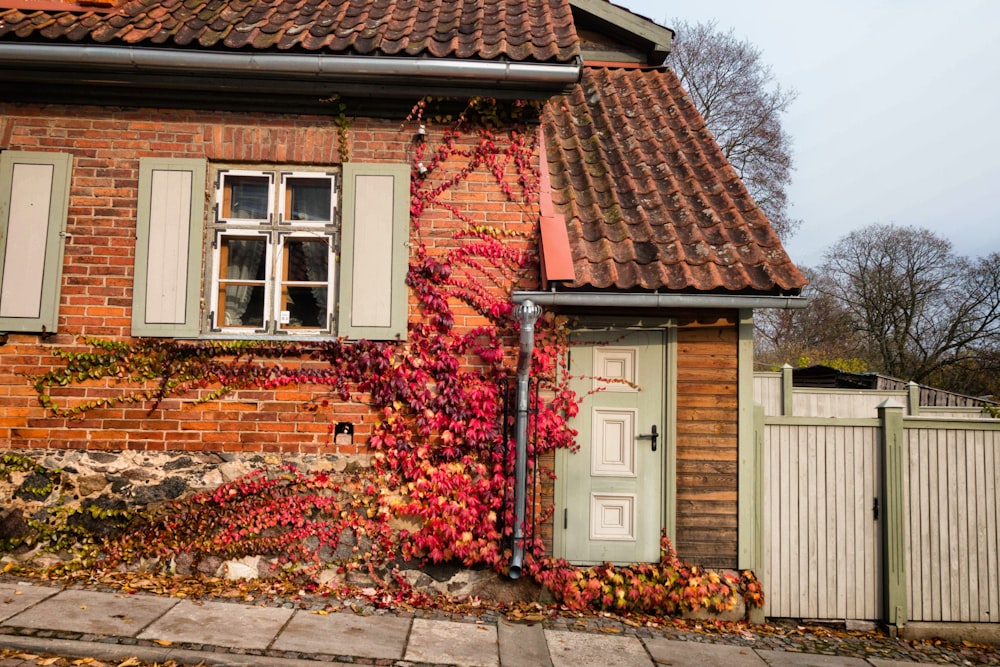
{"points": [[96, 296]]}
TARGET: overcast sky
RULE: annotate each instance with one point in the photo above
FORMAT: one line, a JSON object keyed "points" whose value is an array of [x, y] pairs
{"points": [[897, 118]]}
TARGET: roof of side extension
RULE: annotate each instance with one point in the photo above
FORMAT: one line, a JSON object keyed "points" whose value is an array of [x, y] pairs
{"points": [[649, 199], [519, 30]]}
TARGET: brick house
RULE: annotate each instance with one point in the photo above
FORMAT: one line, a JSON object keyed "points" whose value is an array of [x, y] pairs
{"points": [[247, 173]]}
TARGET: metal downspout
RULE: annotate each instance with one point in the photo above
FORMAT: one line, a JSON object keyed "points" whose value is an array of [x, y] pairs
{"points": [[526, 314]]}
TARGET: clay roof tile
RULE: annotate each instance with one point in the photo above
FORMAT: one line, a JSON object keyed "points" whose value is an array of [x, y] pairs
{"points": [[540, 30], [649, 199]]}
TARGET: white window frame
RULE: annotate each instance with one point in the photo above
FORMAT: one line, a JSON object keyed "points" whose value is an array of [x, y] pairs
{"points": [[220, 207], [279, 273], [276, 229], [216, 313], [283, 178]]}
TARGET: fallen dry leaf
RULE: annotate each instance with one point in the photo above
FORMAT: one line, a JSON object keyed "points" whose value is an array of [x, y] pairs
{"points": [[163, 642]]}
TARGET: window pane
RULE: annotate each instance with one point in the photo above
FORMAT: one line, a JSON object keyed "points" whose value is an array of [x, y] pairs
{"points": [[241, 296], [305, 283], [245, 197], [242, 305], [243, 258], [307, 259], [307, 198], [306, 307]]}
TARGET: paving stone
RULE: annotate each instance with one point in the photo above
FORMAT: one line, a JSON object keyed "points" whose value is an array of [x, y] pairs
{"points": [[522, 645], [93, 612], [581, 649], [697, 654], [15, 598], [448, 642], [379, 637], [795, 659], [219, 624]]}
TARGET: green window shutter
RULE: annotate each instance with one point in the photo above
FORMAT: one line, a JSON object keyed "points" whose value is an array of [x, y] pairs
{"points": [[168, 252], [374, 252], [34, 199]]}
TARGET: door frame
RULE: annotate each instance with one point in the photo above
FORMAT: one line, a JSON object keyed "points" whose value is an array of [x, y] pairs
{"points": [[668, 471]]}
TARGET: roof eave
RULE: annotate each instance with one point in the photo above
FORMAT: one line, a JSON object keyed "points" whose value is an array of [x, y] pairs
{"points": [[193, 70]]}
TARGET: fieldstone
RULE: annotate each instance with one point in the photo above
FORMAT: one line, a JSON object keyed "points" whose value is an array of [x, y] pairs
{"points": [[138, 474], [178, 463], [267, 568], [36, 486], [244, 568], [210, 565], [13, 526], [100, 517], [231, 470], [209, 479], [168, 489], [119, 484], [498, 588], [88, 485], [330, 578], [183, 563]]}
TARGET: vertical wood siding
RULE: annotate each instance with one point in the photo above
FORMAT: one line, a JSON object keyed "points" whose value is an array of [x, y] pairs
{"points": [[767, 392], [820, 538], [951, 516]]}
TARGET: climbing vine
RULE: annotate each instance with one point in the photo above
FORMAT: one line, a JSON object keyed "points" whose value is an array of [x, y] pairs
{"points": [[441, 459]]}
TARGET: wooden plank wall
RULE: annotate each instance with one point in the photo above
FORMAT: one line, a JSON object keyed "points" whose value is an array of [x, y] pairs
{"points": [[707, 443], [821, 540], [952, 514]]}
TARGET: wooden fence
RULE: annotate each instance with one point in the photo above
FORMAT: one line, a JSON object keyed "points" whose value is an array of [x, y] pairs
{"points": [[890, 517]]}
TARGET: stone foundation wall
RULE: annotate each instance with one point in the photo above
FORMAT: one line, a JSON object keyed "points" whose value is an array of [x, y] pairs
{"points": [[40, 485]]}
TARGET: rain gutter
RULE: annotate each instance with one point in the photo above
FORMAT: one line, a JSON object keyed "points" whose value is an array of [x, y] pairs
{"points": [[324, 68], [617, 300]]}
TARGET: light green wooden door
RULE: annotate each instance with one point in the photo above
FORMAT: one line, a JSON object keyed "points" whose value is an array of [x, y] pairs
{"points": [[611, 488]]}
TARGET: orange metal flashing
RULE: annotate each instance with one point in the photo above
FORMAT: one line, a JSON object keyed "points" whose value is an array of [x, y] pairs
{"points": [[557, 258]]}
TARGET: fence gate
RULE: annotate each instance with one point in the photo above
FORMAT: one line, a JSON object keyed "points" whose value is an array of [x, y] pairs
{"points": [[821, 536]]}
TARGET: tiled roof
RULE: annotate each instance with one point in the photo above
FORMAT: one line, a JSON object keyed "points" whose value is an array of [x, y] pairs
{"points": [[649, 199], [521, 30]]}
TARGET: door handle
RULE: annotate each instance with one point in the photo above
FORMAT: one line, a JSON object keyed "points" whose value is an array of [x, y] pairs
{"points": [[649, 436]]}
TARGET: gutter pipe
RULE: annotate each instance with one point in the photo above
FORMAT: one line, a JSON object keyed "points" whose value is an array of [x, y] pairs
{"points": [[527, 313], [308, 66], [606, 300]]}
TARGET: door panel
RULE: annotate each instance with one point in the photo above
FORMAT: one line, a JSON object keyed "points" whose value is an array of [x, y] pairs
{"points": [[611, 489]]}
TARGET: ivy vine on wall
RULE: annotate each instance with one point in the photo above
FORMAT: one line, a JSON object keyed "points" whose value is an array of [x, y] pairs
{"points": [[440, 456]]}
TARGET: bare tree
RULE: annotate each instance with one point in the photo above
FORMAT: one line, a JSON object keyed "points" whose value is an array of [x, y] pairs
{"points": [[743, 106], [821, 333], [920, 309]]}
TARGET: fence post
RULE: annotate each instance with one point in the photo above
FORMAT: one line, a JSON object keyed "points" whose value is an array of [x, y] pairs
{"points": [[894, 611], [757, 550], [786, 391], [913, 398]]}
